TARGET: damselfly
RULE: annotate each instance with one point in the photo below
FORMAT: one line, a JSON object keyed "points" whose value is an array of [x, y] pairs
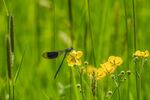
{"points": [[55, 54]]}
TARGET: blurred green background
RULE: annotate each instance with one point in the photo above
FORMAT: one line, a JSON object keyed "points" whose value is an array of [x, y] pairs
{"points": [[99, 28]]}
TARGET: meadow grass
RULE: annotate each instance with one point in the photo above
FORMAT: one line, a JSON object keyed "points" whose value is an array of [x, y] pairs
{"points": [[99, 29]]}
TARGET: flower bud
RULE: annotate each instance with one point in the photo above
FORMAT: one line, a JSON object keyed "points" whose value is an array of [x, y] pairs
{"points": [[112, 76], [128, 72], [78, 85], [86, 63], [122, 72]]}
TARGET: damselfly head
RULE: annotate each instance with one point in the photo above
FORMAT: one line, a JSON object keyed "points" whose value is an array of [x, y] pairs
{"points": [[69, 49]]}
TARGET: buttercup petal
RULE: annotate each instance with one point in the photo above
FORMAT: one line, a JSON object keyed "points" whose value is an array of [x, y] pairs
{"points": [[146, 54], [100, 73], [79, 54]]}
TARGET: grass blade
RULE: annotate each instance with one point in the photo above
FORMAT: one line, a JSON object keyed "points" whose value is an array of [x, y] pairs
{"points": [[19, 68]]}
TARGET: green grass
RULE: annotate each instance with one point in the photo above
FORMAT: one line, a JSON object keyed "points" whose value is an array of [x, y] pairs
{"points": [[99, 28]]}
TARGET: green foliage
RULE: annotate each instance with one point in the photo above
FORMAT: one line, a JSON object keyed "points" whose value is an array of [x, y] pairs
{"points": [[99, 28]]}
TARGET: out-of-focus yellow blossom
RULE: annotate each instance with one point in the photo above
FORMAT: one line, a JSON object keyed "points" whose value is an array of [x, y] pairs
{"points": [[100, 73], [115, 60], [105, 69], [95, 73], [108, 67], [146, 53], [138, 53], [90, 70], [73, 59], [141, 54], [112, 63]]}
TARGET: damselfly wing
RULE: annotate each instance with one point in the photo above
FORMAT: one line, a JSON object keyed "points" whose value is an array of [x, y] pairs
{"points": [[52, 55], [55, 54]]}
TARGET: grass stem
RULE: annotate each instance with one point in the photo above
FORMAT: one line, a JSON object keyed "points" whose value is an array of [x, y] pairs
{"points": [[134, 25], [70, 21], [135, 48], [127, 44], [10, 55], [90, 30]]}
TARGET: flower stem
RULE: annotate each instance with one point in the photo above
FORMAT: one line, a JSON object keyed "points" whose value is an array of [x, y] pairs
{"points": [[70, 83], [138, 78], [115, 91], [137, 82], [118, 93], [82, 90], [93, 88], [74, 84], [142, 66]]}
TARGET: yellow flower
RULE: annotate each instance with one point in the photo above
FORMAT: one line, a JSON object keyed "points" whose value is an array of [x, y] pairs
{"points": [[90, 70], [141, 54], [146, 53], [115, 60], [73, 58], [100, 73], [108, 67], [95, 73], [138, 53]]}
